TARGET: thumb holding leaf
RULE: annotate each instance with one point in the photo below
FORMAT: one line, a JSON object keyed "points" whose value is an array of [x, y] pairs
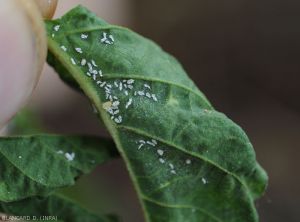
{"points": [[23, 50]]}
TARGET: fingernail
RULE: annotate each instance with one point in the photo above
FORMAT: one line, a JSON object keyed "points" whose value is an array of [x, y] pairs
{"points": [[47, 7]]}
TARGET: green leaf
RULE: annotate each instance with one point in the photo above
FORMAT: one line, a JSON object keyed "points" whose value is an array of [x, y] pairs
{"points": [[53, 208], [26, 122], [38, 165], [188, 162]]}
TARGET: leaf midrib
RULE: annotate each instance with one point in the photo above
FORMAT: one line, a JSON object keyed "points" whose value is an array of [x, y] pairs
{"points": [[180, 207], [139, 77]]}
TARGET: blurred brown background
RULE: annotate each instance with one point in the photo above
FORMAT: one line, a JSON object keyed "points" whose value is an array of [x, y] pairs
{"points": [[244, 55]]}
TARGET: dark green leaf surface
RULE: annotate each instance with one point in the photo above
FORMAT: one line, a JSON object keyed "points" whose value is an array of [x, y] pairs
{"points": [[53, 208], [37, 165], [188, 162]]}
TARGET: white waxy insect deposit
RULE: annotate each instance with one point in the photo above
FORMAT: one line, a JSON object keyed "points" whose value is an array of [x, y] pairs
{"points": [[150, 143], [56, 28], [160, 152], [107, 39], [154, 97], [94, 63], [120, 86], [70, 156], [130, 81], [148, 95], [103, 84], [63, 48], [60, 152], [104, 37], [90, 67], [83, 62], [141, 93], [119, 119], [84, 36], [79, 50], [173, 171], [188, 161], [162, 160], [73, 61], [171, 166], [147, 86], [111, 38], [128, 103], [116, 103], [204, 181]]}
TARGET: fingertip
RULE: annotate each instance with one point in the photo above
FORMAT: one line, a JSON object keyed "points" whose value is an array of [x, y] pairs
{"points": [[47, 7]]}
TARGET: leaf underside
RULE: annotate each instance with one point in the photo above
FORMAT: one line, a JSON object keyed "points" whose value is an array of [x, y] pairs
{"points": [[188, 162], [38, 165], [53, 208]]}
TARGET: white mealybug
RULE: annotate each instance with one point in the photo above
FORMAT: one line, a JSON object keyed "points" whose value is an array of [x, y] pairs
{"points": [[94, 63], [103, 84], [141, 93], [140, 146], [173, 171], [70, 156], [130, 81], [119, 119], [56, 28], [73, 61], [154, 97], [160, 152], [83, 62], [111, 37], [148, 95], [128, 103], [79, 50], [147, 86], [162, 160], [90, 67], [150, 143], [63, 48], [104, 37], [171, 166], [188, 161], [84, 36], [204, 181]]}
